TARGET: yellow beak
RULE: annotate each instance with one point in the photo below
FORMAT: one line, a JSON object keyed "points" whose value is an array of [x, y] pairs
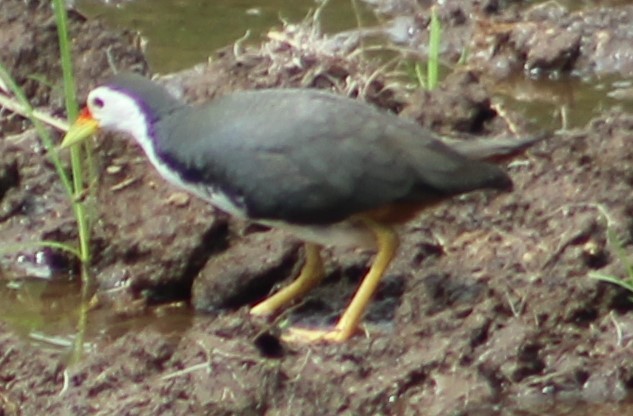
{"points": [[84, 127]]}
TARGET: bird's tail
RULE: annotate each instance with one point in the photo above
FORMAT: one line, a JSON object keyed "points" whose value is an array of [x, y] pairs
{"points": [[493, 149]]}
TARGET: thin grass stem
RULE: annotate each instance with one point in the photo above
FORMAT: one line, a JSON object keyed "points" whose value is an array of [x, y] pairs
{"points": [[433, 63], [72, 110], [9, 248]]}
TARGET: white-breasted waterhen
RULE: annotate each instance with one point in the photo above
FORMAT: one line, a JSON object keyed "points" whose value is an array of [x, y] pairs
{"points": [[330, 169]]}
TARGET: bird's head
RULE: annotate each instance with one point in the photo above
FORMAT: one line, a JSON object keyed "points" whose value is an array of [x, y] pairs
{"points": [[127, 103], [109, 109]]}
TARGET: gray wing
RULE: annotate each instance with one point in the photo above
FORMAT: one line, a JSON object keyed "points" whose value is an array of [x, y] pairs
{"points": [[313, 157]]}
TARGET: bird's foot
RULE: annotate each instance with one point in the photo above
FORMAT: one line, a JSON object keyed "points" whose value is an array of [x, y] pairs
{"points": [[296, 335], [262, 310]]}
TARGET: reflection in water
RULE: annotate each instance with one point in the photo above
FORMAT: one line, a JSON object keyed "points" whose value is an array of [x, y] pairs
{"points": [[46, 313]]}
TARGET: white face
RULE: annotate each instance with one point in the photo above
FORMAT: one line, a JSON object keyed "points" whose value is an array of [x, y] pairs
{"points": [[116, 111]]}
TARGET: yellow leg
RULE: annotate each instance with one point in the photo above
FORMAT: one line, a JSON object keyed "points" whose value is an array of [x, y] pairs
{"points": [[387, 243], [311, 274]]}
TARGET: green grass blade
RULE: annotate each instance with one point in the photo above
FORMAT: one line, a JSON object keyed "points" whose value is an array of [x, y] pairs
{"points": [[619, 252], [420, 76], [76, 161], [625, 284], [11, 248], [72, 110], [61, 18], [39, 127], [435, 36]]}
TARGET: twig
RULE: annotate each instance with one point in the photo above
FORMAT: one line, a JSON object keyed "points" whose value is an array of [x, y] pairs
{"points": [[14, 106], [618, 329]]}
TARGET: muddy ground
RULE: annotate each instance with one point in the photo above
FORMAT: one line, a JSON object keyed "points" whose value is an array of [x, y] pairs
{"points": [[487, 310]]}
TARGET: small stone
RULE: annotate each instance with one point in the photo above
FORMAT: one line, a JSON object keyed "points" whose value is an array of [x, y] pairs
{"points": [[114, 169], [178, 199]]}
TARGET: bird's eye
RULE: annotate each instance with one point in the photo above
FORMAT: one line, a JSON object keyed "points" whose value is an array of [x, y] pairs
{"points": [[98, 102]]}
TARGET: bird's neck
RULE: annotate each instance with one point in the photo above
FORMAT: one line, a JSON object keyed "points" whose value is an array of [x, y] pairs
{"points": [[146, 136]]}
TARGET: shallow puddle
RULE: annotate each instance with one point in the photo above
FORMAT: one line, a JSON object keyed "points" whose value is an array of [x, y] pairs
{"points": [[44, 312], [47, 314], [564, 103], [180, 34]]}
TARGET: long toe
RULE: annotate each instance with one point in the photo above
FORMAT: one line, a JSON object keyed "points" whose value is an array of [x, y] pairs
{"points": [[297, 335]]}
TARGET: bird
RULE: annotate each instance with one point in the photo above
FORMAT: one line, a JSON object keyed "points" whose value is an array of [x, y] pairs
{"points": [[332, 170]]}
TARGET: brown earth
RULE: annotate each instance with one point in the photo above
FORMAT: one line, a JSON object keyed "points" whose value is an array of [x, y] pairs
{"points": [[488, 308]]}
